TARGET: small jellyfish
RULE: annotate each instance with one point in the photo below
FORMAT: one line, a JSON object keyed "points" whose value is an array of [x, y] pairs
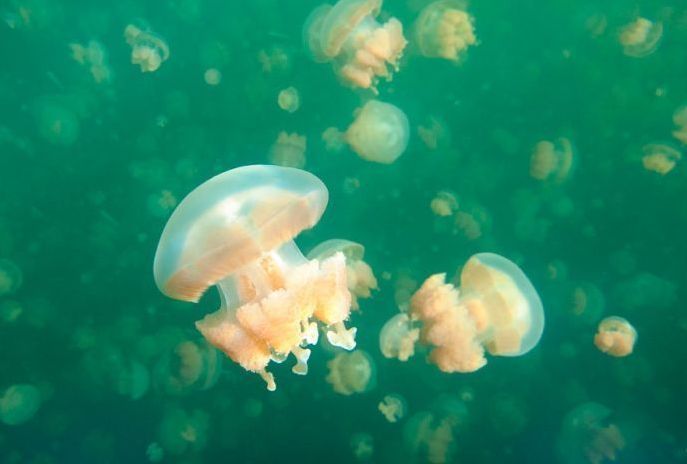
{"points": [[640, 37], [398, 337], [379, 132], [363, 446], [289, 100], [660, 158], [288, 150], [19, 403], [361, 279], [393, 408], [334, 140], [587, 303], [275, 60], [615, 336], [180, 431], [444, 30], [361, 49], [93, 56], [57, 123], [552, 161], [435, 133], [351, 373], [472, 221], [680, 120], [236, 232], [588, 436], [496, 308], [154, 452], [148, 50], [444, 203], [212, 76], [10, 277], [431, 438], [190, 366], [161, 204]]}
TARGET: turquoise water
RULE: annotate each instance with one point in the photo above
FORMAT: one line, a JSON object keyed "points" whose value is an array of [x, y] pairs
{"points": [[95, 155]]}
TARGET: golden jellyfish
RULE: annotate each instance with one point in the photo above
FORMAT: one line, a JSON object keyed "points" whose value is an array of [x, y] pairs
{"points": [[190, 366], [351, 373], [398, 337], [444, 203], [19, 403], [660, 158], [444, 30], [148, 50], [615, 336], [361, 280], [333, 139], [472, 221], [496, 308], [10, 277], [182, 432], [289, 100], [379, 132], [552, 160], [93, 56], [288, 150], [430, 437], [236, 232], [589, 437], [680, 120], [435, 133], [640, 37], [393, 408], [348, 35], [212, 76]]}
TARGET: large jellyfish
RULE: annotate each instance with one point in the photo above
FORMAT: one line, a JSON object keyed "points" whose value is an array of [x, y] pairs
{"points": [[236, 232], [444, 30], [588, 436], [361, 280], [10, 277], [288, 150], [615, 336], [351, 373], [148, 50], [640, 37], [19, 403], [398, 337], [496, 308], [379, 132], [361, 49]]}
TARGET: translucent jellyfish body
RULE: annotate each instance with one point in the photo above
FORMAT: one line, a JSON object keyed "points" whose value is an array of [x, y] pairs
{"points": [[57, 123], [496, 308], [351, 373], [393, 407], [19, 403], [660, 158], [289, 100], [289, 150], [348, 35], [190, 366], [680, 121], [444, 30], [148, 50], [444, 203], [181, 432], [10, 277], [640, 37], [379, 132], [588, 436], [615, 336], [552, 160], [93, 56], [398, 337], [361, 280], [236, 232]]}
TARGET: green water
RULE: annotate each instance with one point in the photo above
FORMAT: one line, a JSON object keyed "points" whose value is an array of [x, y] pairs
{"points": [[90, 172]]}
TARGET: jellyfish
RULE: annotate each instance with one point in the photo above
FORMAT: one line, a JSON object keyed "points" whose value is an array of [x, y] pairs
{"points": [[496, 308], [587, 302], [680, 120], [435, 133], [660, 158], [212, 76], [180, 431], [398, 337], [351, 373], [552, 161], [588, 436], [444, 203], [430, 437], [288, 150], [615, 336], [236, 232], [471, 220], [189, 366], [362, 445], [640, 37], [361, 280], [93, 56], [644, 290], [444, 30], [57, 123], [289, 100], [154, 452], [161, 204], [148, 50], [10, 277], [379, 132], [393, 407], [19, 403], [361, 49]]}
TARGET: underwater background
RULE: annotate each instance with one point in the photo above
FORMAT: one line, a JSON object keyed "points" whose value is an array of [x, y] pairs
{"points": [[95, 155]]}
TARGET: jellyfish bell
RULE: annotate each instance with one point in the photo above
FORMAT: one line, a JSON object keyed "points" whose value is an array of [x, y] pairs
{"points": [[351, 373], [379, 132], [444, 30], [148, 50], [189, 366], [289, 100], [615, 336], [236, 232], [289, 150], [398, 337], [19, 403], [641, 37], [552, 160]]}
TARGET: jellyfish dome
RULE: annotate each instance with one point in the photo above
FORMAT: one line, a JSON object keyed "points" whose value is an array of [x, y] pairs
{"points": [[398, 337], [444, 30], [496, 308], [19, 403], [379, 132], [552, 161], [361, 49], [351, 373], [641, 37], [236, 232], [615, 337]]}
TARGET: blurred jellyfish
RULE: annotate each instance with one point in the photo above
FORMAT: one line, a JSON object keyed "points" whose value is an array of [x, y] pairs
{"points": [[444, 30], [680, 120], [289, 100], [615, 336], [334, 139], [154, 452], [348, 35], [472, 221], [275, 60], [398, 337], [181, 431], [508, 414], [379, 132], [362, 446], [288, 150], [189, 366], [435, 133], [161, 204], [10, 277], [361, 280], [393, 407], [19, 403], [587, 303], [351, 373], [496, 308], [10, 310], [588, 436], [236, 232], [431, 436], [404, 286], [660, 158], [640, 37], [57, 123], [93, 56], [552, 161], [133, 381], [444, 203], [212, 76], [644, 290], [148, 50]]}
